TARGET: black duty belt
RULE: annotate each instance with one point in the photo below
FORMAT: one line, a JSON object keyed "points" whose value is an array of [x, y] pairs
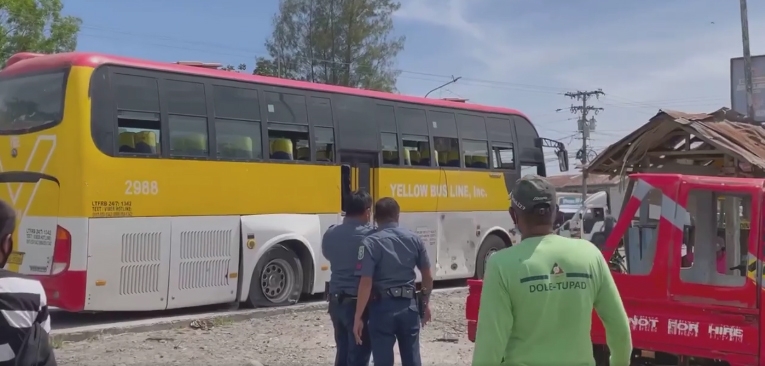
{"points": [[405, 292], [341, 298]]}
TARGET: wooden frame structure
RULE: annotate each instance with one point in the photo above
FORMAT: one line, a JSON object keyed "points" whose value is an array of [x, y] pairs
{"points": [[718, 143]]}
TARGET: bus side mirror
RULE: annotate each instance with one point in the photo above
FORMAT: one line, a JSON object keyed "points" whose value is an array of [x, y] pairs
{"points": [[562, 160], [345, 185]]}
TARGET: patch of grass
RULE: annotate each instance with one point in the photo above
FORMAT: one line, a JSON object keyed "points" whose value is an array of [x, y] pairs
{"points": [[56, 342], [221, 321]]}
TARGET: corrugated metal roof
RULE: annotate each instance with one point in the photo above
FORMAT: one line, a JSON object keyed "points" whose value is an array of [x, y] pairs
{"points": [[722, 130]]}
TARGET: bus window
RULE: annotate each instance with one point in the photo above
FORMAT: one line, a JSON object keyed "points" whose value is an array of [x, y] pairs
{"points": [[286, 108], [28, 102], [503, 156], [187, 118], [389, 143], [386, 118], [238, 139], [236, 103], [138, 118], [325, 143], [188, 136], [528, 168], [476, 154], [414, 149], [288, 142], [237, 123], [445, 147]]}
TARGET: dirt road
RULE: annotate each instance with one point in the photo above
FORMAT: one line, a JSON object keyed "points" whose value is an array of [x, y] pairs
{"points": [[288, 339]]}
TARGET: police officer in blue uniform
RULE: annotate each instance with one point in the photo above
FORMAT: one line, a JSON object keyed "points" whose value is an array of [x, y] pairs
{"points": [[386, 267], [341, 245]]}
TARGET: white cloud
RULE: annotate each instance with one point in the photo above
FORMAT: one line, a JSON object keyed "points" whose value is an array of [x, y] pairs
{"points": [[488, 43], [664, 54]]}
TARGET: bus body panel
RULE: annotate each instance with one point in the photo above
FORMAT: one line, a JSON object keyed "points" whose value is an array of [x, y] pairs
{"points": [[140, 187], [51, 182], [128, 263], [67, 289], [444, 190], [162, 263], [204, 260], [453, 239], [303, 231]]}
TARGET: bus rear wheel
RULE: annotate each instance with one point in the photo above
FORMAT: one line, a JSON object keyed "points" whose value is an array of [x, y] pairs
{"points": [[491, 245], [277, 279]]}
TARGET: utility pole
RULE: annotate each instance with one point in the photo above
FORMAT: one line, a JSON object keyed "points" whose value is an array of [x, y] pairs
{"points": [[584, 127], [747, 61]]}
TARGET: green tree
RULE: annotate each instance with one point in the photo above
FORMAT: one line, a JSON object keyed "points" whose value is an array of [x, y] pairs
{"points": [[36, 26], [238, 68], [340, 42], [265, 67]]}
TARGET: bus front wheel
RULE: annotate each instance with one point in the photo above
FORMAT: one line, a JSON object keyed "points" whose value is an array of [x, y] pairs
{"points": [[491, 245], [277, 279]]}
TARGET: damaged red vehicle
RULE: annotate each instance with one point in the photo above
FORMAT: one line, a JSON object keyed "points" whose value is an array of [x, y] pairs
{"points": [[688, 265]]}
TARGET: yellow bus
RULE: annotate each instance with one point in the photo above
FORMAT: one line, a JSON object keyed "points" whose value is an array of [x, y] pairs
{"points": [[146, 186]]}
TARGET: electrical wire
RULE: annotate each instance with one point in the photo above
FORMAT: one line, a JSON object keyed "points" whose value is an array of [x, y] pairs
{"points": [[147, 39]]}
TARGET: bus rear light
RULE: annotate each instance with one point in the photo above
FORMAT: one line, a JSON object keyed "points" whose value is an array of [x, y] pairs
{"points": [[62, 252]]}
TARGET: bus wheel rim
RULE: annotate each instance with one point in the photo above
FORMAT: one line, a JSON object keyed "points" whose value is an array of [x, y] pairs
{"points": [[277, 280], [489, 254]]}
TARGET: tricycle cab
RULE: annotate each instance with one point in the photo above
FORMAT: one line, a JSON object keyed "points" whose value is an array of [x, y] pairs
{"points": [[687, 263]]}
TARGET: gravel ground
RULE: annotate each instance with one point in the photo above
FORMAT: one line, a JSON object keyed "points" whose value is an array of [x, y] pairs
{"points": [[287, 339]]}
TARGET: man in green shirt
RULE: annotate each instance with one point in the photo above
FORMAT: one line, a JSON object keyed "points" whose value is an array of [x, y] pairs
{"points": [[538, 296]]}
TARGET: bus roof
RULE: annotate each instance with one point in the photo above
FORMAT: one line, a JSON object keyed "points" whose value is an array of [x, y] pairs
{"points": [[28, 62]]}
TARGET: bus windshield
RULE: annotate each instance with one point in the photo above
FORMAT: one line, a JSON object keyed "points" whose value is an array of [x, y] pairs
{"points": [[31, 102]]}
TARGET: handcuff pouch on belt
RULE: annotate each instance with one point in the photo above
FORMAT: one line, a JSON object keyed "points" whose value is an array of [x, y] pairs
{"points": [[401, 292]]}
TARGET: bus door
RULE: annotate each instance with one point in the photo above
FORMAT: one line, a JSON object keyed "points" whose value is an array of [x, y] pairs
{"points": [[357, 171]]}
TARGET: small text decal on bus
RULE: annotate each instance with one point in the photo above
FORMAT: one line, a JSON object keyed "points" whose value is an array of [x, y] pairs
{"points": [[141, 187]]}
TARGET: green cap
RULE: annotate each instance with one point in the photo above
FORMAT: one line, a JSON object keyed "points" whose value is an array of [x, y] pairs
{"points": [[531, 191]]}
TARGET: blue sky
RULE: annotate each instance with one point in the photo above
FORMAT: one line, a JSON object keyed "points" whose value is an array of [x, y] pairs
{"points": [[645, 55]]}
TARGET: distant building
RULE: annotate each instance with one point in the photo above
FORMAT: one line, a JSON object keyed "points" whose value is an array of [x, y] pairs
{"points": [[573, 182]]}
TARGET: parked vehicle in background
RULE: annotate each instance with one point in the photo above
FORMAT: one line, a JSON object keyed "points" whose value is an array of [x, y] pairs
{"points": [[569, 203], [588, 219]]}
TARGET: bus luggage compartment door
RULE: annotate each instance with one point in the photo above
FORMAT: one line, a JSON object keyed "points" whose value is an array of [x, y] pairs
{"points": [[35, 197]]}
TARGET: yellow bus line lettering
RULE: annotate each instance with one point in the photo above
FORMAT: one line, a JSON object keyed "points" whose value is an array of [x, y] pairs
{"points": [[437, 191]]}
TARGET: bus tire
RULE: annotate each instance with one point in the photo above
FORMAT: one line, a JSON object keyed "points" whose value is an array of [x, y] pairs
{"points": [[277, 279], [491, 245]]}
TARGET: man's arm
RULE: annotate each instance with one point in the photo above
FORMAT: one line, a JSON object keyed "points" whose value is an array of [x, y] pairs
{"points": [[43, 316], [495, 318], [423, 264], [324, 242], [608, 305], [365, 268]]}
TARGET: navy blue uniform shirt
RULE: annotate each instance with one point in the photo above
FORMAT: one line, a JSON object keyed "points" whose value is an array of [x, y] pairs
{"points": [[341, 246], [390, 256]]}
